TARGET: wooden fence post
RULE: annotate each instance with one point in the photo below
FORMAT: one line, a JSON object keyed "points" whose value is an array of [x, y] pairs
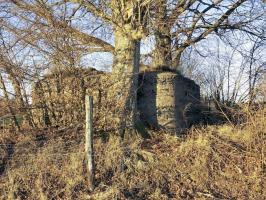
{"points": [[89, 141]]}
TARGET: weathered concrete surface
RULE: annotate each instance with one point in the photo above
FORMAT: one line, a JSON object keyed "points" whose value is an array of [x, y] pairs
{"points": [[168, 100], [165, 99]]}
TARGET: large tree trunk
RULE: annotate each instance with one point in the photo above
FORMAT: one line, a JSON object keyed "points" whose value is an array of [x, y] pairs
{"points": [[125, 80], [176, 60], [162, 53]]}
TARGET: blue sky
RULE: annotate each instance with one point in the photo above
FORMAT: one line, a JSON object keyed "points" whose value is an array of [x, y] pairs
{"points": [[103, 61]]}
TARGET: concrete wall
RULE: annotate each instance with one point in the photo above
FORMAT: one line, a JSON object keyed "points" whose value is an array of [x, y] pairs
{"points": [[168, 100], [165, 100]]}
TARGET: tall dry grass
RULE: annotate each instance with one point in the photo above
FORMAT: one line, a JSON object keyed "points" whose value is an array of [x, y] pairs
{"points": [[213, 162]]}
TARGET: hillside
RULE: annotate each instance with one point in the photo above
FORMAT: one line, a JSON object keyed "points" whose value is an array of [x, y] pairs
{"points": [[213, 162], [132, 99]]}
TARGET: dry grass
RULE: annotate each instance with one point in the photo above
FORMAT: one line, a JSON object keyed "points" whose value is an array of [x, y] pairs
{"points": [[215, 162]]}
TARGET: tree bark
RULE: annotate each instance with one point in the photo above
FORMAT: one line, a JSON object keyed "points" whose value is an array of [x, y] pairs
{"points": [[162, 53], [125, 76], [177, 58]]}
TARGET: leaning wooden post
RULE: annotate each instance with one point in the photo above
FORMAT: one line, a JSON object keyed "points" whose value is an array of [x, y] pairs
{"points": [[89, 141]]}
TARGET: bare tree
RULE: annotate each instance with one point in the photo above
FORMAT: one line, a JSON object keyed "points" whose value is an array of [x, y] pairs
{"points": [[16, 76], [127, 21], [7, 99], [256, 68], [62, 32], [181, 24], [228, 73]]}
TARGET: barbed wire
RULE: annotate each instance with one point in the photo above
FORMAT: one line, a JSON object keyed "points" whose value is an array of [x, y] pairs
{"points": [[24, 159]]}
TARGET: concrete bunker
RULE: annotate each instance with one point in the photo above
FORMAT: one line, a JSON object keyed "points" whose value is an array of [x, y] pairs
{"points": [[166, 100]]}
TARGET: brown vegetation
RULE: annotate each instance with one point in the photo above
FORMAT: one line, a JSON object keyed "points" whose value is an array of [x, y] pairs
{"points": [[215, 162], [42, 115]]}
